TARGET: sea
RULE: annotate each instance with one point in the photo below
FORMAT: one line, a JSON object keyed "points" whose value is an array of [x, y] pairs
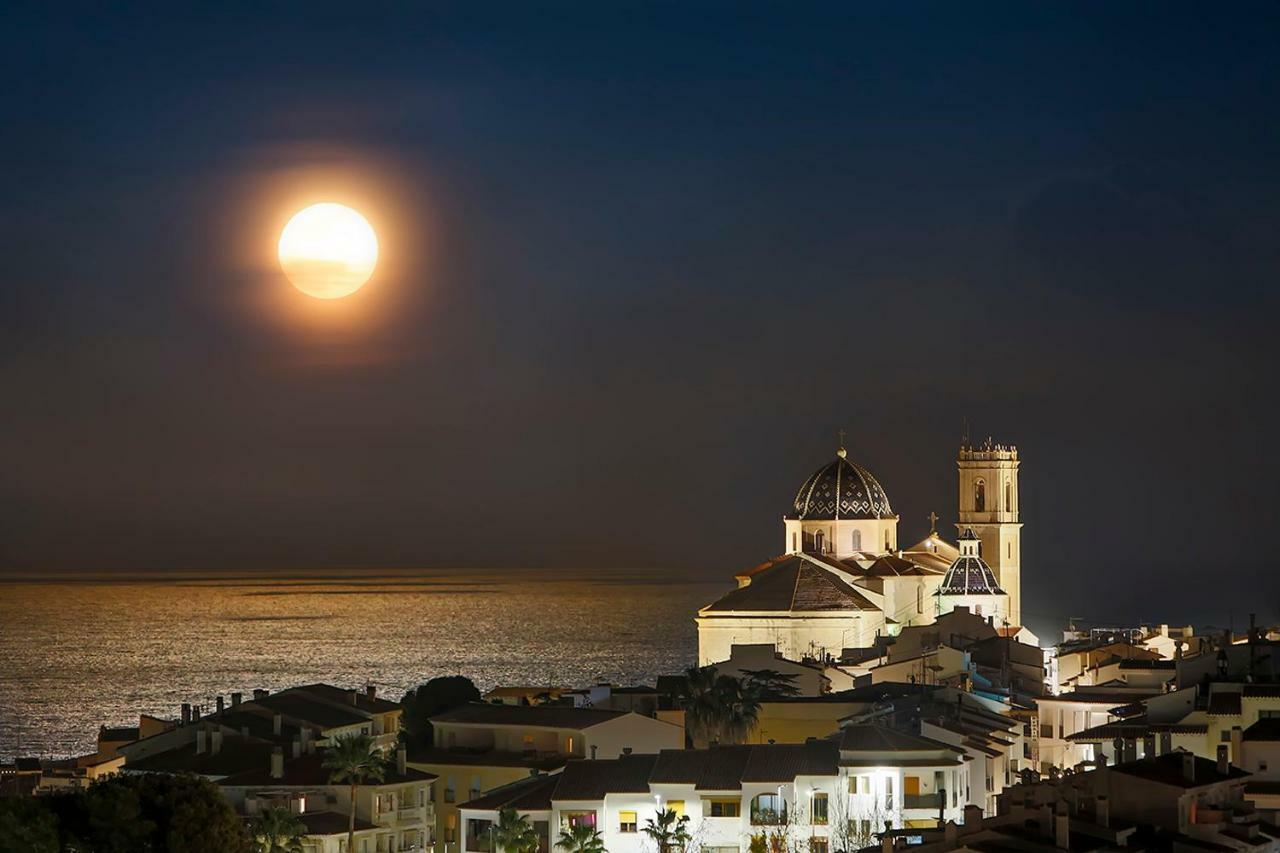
{"points": [[80, 651]]}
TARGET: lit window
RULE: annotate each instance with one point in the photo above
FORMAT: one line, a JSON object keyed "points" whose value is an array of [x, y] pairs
{"points": [[676, 806], [819, 815], [626, 821], [768, 809], [725, 808]]}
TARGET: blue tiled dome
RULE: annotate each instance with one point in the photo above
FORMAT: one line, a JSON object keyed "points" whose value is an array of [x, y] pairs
{"points": [[840, 490]]}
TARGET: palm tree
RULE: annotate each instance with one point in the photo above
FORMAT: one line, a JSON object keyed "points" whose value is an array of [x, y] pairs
{"points": [[701, 705], [739, 706], [277, 830], [581, 838], [668, 831], [514, 834], [350, 758]]}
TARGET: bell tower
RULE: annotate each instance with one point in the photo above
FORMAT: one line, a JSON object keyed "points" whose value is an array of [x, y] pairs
{"points": [[989, 506]]}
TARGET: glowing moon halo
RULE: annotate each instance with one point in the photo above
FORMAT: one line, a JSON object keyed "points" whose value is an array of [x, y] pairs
{"points": [[328, 250]]}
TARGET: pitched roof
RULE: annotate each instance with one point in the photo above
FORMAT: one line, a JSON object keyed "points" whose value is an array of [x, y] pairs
{"points": [[1167, 770], [532, 793], [793, 583], [783, 762], [1267, 728], [725, 768], [716, 769], [872, 737], [1134, 728], [309, 709], [365, 702], [330, 823], [548, 716], [236, 755], [114, 734], [309, 769], [1227, 704], [585, 779], [891, 565]]}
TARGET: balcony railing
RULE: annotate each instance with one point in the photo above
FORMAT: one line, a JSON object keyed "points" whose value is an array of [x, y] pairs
{"points": [[921, 801]]}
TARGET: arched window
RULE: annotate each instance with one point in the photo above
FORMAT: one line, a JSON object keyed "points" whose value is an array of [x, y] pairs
{"points": [[857, 540], [887, 542], [768, 809], [818, 541], [980, 496], [1008, 496], [919, 599], [793, 540]]}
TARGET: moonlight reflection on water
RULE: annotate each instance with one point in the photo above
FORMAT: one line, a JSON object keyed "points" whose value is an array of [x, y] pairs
{"points": [[80, 652]]}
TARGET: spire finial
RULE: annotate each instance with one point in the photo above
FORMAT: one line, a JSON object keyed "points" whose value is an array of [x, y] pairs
{"points": [[842, 453], [933, 524]]}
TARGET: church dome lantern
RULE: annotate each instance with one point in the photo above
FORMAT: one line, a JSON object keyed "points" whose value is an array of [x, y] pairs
{"points": [[841, 489]]}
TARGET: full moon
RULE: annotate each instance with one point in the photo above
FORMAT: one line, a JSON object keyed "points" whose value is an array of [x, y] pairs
{"points": [[328, 250]]}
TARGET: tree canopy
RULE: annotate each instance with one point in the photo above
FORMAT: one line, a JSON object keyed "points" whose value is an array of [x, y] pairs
{"points": [[126, 814], [426, 700]]}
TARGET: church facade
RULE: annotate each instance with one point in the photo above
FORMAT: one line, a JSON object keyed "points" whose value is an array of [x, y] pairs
{"points": [[844, 580]]}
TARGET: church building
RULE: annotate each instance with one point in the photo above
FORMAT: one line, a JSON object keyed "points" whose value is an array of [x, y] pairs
{"points": [[844, 579]]}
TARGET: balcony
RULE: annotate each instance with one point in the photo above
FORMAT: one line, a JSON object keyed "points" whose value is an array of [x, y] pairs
{"points": [[922, 801]]}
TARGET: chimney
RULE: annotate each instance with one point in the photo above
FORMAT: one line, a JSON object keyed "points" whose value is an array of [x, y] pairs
{"points": [[351, 695], [218, 703], [371, 690], [235, 699], [1102, 811], [1237, 744], [297, 747], [626, 750], [886, 840], [1188, 767], [259, 693], [202, 738], [186, 713], [195, 713], [972, 817], [402, 759], [949, 832], [1224, 760], [277, 723], [277, 763], [1061, 826], [215, 742]]}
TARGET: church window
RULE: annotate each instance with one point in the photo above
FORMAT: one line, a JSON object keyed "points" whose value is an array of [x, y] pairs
{"points": [[1009, 549], [1008, 496], [818, 542], [919, 599], [857, 540], [887, 542], [980, 496], [793, 540]]}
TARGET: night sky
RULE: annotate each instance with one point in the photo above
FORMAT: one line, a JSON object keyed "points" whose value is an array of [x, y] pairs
{"points": [[640, 264]]}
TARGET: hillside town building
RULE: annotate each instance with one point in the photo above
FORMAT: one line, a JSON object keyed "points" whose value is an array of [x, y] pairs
{"points": [[844, 581]]}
